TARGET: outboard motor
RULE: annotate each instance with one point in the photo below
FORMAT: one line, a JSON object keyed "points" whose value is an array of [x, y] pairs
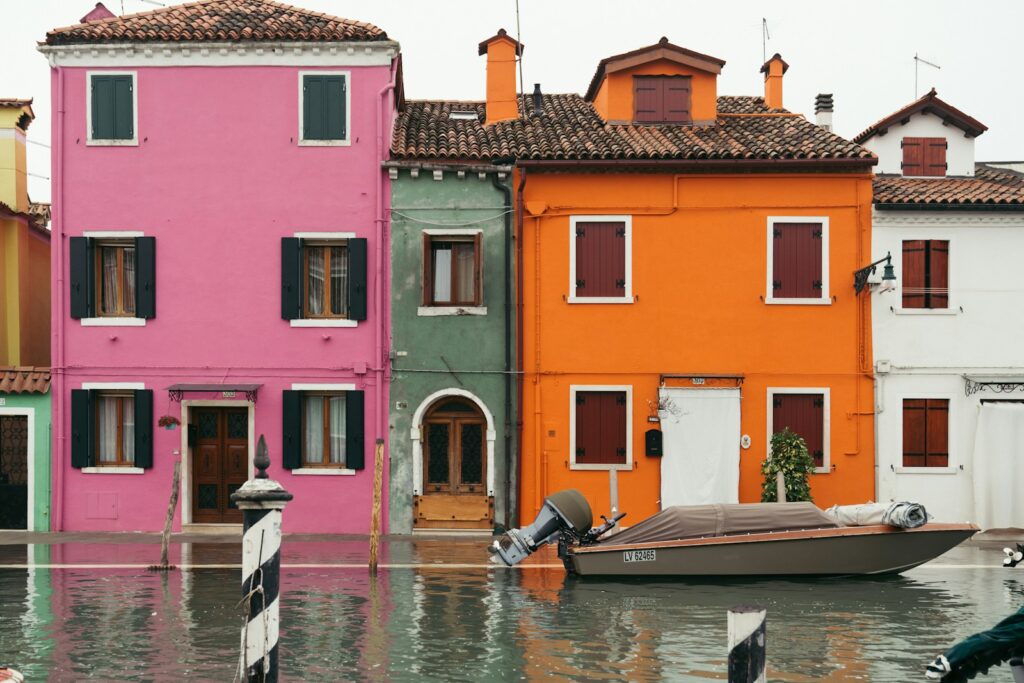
{"points": [[566, 511]]}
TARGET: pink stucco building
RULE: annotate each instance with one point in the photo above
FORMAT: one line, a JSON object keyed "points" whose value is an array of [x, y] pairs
{"points": [[219, 250]]}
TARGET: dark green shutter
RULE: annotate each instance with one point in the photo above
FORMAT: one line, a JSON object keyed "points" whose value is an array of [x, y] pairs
{"points": [[113, 115], [82, 420], [144, 428], [355, 455], [291, 444], [312, 108], [334, 107], [324, 108], [291, 278], [357, 279], [124, 124], [81, 280], [145, 277]]}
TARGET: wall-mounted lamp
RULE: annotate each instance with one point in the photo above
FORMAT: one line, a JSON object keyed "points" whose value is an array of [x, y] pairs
{"points": [[860, 277]]}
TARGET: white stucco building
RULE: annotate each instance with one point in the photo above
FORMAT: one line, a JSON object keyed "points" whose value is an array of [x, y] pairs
{"points": [[949, 339]]}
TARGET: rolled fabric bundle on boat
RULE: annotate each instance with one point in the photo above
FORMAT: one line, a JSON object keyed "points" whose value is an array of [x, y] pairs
{"points": [[858, 515], [905, 515]]}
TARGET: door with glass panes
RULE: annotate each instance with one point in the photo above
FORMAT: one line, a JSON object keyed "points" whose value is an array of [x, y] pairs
{"points": [[220, 463], [454, 468]]}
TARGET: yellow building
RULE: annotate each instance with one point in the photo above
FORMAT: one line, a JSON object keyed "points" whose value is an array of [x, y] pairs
{"points": [[24, 249]]}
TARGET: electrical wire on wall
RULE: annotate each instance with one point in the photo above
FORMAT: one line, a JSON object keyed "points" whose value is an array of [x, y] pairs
{"points": [[449, 224]]}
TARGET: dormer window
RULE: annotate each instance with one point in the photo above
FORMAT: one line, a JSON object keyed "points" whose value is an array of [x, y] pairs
{"points": [[924, 156], [662, 99]]}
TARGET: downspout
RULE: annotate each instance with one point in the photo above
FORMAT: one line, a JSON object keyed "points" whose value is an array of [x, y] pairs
{"points": [[507, 258], [57, 390], [519, 327]]}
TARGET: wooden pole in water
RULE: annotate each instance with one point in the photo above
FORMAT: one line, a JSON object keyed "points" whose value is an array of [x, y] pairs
{"points": [[747, 634], [780, 487], [378, 485], [165, 565]]}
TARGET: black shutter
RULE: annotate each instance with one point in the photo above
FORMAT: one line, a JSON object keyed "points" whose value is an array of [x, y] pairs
{"points": [[357, 279], [124, 124], [334, 107], [102, 108], [291, 278], [291, 444], [312, 108], [355, 455], [81, 278], [145, 277], [82, 421], [144, 428]]}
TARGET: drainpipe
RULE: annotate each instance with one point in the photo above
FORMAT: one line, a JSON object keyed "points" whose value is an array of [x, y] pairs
{"points": [[519, 326], [507, 256], [57, 389]]}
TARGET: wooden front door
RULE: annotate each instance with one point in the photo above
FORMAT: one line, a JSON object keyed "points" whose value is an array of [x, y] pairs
{"points": [[454, 468], [220, 463]]}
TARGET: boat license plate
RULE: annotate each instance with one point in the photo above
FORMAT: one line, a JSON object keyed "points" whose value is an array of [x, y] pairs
{"points": [[638, 556]]}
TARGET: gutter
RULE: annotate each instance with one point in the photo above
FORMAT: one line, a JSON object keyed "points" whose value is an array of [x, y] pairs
{"points": [[507, 257], [467, 167], [706, 165], [889, 206], [519, 328], [57, 349]]}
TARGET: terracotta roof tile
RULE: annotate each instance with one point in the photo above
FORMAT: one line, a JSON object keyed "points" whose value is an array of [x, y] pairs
{"points": [[38, 215], [24, 380], [218, 20], [931, 104], [991, 186], [570, 128], [14, 102]]}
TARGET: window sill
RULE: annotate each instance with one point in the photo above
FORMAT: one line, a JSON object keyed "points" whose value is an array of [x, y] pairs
{"points": [[824, 301], [113, 322], [602, 467], [113, 470], [823, 470], [324, 143], [134, 142], [324, 471], [324, 322], [927, 470], [573, 299], [926, 311], [430, 311]]}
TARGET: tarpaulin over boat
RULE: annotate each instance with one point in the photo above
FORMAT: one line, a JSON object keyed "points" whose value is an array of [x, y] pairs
{"points": [[694, 521]]}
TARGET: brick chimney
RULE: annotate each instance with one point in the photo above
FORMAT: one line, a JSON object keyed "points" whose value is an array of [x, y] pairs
{"points": [[823, 110], [15, 116], [501, 51], [773, 70]]}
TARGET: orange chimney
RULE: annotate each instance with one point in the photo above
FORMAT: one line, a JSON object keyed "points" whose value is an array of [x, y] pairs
{"points": [[501, 51], [773, 70]]}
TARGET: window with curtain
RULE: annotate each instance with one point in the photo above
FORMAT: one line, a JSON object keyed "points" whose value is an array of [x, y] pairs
{"points": [[452, 268], [323, 430], [326, 279], [115, 279], [115, 430]]}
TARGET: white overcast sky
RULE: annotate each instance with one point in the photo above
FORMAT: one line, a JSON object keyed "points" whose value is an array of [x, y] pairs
{"points": [[861, 51]]}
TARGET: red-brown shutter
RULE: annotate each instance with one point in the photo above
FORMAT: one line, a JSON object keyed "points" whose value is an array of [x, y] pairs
{"points": [[677, 99], [938, 274], [913, 273], [600, 259], [937, 427], [601, 427], [588, 427], [796, 261], [804, 415], [934, 156], [914, 432], [913, 156], [648, 99]]}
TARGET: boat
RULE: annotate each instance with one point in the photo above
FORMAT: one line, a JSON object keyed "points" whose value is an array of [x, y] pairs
{"points": [[725, 540]]}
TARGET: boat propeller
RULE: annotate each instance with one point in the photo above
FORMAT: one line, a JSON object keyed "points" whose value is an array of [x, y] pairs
{"points": [[1013, 557]]}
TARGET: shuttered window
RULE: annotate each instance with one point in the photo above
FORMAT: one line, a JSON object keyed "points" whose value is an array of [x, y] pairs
{"points": [[804, 415], [601, 428], [925, 274], [111, 428], [601, 251], [323, 429], [324, 107], [926, 432], [661, 99], [112, 107], [797, 254], [112, 278], [924, 156], [323, 279]]}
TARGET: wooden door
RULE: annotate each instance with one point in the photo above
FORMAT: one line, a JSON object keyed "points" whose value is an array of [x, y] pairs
{"points": [[13, 472], [220, 463]]}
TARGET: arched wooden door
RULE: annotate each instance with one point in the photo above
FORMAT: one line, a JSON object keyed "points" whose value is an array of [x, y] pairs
{"points": [[454, 441]]}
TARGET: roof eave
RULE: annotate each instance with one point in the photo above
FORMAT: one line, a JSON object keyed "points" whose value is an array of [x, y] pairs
{"points": [[947, 206]]}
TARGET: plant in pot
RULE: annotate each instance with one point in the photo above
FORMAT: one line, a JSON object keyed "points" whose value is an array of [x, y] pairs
{"points": [[789, 456], [168, 422]]}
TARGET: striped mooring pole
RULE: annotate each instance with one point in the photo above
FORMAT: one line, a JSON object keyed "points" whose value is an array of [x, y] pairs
{"points": [[747, 644], [261, 501]]}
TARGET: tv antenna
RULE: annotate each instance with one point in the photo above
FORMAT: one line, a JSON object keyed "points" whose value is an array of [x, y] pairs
{"points": [[764, 39], [917, 62]]}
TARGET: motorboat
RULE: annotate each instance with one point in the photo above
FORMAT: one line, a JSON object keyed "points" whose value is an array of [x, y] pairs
{"points": [[722, 540]]}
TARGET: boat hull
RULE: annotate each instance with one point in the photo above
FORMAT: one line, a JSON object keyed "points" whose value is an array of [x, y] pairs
{"points": [[821, 552]]}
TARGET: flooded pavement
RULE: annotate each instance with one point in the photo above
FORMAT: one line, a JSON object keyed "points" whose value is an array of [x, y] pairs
{"points": [[88, 610]]}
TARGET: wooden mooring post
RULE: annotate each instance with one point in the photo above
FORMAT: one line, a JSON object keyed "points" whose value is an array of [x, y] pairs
{"points": [[747, 634], [378, 486]]}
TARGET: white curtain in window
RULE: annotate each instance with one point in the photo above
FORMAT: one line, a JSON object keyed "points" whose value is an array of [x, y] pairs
{"points": [[337, 430], [467, 265], [314, 436], [442, 274], [315, 286], [108, 299], [339, 280], [106, 409], [129, 280], [128, 430]]}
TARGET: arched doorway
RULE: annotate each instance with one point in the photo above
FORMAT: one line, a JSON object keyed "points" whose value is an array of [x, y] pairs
{"points": [[455, 449]]}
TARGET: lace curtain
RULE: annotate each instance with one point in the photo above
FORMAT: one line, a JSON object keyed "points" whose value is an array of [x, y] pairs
{"points": [[313, 453], [110, 411]]}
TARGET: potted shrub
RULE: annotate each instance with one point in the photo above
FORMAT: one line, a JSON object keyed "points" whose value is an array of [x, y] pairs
{"points": [[789, 456], [168, 422]]}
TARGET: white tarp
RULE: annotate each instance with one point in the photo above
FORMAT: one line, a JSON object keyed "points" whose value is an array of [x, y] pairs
{"points": [[701, 441], [999, 466]]}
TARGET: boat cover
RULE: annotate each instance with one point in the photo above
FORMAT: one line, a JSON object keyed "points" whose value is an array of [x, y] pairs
{"points": [[695, 521]]}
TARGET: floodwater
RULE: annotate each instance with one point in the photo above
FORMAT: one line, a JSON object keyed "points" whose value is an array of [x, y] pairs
{"points": [[468, 622]]}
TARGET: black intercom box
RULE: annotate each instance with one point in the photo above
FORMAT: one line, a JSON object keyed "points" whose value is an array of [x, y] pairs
{"points": [[652, 442]]}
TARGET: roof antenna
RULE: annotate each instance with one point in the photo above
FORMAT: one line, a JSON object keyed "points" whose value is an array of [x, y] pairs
{"points": [[764, 40], [519, 54], [917, 61]]}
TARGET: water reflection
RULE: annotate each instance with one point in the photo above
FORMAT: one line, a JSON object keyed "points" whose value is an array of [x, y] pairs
{"points": [[482, 624]]}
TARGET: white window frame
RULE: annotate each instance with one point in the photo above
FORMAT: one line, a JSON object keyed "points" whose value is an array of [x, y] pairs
{"points": [[113, 386], [825, 299], [323, 322], [627, 297], [323, 471], [303, 142], [112, 321], [102, 142], [826, 422], [578, 388], [951, 306], [951, 433]]}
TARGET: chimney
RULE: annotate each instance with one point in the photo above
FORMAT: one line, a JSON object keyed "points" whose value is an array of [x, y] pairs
{"points": [[98, 12], [823, 110], [15, 116], [773, 70], [501, 51], [538, 100]]}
